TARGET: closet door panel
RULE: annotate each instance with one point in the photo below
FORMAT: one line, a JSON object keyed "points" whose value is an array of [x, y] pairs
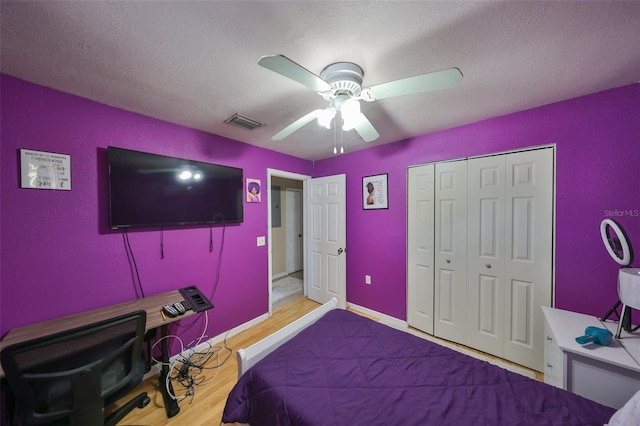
{"points": [[529, 244], [450, 319], [446, 296], [420, 242], [486, 253], [487, 322], [521, 313]]}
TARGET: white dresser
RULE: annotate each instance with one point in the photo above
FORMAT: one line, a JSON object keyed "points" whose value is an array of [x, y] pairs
{"points": [[609, 375]]}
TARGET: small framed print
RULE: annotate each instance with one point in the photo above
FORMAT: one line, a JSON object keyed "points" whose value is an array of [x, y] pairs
{"points": [[254, 188], [375, 192]]}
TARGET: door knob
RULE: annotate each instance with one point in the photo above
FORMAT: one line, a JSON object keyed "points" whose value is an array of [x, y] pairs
{"points": [[448, 260], [488, 265], [341, 250]]}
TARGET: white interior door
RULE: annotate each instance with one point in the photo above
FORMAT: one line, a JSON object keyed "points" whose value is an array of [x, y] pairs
{"points": [[294, 230], [486, 253], [325, 239], [529, 248], [420, 220], [450, 316]]}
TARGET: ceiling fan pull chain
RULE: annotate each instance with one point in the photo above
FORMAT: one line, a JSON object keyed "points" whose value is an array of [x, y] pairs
{"points": [[341, 137], [335, 130]]}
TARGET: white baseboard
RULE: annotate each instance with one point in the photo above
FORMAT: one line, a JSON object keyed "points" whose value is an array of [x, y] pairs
{"points": [[383, 318], [219, 338], [280, 275], [154, 371]]}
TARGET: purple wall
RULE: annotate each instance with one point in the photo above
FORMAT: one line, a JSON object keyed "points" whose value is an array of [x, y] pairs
{"points": [[58, 255], [597, 141]]}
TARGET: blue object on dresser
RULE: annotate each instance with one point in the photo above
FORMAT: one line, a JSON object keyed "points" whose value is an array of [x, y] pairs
{"points": [[600, 336]]}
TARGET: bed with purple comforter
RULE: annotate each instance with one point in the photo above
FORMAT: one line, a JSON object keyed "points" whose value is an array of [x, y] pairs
{"points": [[349, 370]]}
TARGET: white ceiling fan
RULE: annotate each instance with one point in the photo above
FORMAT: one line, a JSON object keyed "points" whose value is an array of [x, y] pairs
{"points": [[341, 84]]}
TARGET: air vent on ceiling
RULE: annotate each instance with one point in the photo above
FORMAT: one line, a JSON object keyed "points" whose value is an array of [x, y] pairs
{"points": [[242, 121]]}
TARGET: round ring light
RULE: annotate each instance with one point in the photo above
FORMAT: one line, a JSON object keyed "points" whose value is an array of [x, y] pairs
{"points": [[623, 258]]}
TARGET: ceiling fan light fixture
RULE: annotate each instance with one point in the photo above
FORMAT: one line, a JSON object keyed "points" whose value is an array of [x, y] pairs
{"points": [[326, 116], [341, 84], [344, 77], [350, 114]]}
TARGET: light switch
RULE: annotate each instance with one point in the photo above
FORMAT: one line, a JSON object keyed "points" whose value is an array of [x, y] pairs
{"points": [[260, 241], [367, 279]]}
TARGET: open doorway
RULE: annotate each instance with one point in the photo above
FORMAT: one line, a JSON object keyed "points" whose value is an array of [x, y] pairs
{"points": [[286, 238]]}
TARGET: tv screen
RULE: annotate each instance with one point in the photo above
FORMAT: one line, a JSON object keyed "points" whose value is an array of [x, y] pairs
{"points": [[154, 190]]}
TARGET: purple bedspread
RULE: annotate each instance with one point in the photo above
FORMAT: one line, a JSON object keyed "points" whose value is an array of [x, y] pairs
{"points": [[350, 370]]}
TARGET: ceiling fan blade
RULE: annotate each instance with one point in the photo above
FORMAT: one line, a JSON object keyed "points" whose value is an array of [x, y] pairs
{"points": [[300, 122], [286, 67], [438, 80], [366, 130]]}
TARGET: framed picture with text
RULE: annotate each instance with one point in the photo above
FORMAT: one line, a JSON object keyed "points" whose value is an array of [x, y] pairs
{"points": [[375, 192]]}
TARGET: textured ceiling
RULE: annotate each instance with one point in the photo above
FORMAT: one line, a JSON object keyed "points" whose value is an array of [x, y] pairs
{"points": [[195, 63]]}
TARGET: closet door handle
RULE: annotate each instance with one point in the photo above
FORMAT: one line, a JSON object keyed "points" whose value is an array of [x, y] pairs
{"points": [[488, 265], [448, 260]]}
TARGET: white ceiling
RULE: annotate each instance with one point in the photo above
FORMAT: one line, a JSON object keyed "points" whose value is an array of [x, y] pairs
{"points": [[194, 63]]}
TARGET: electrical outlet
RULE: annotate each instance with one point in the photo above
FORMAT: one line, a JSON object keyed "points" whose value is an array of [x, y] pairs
{"points": [[260, 241], [367, 279]]}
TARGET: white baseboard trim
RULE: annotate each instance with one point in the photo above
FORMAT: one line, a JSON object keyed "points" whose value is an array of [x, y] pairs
{"points": [[154, 371], [219, 338], [383, 318], [280, 275]]}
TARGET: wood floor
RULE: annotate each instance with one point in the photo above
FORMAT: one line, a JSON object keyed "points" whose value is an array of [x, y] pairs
{"points": [[208, 402]]}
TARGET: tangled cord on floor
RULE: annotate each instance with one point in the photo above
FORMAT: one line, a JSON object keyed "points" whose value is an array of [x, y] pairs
{"points": [[191, 367]]}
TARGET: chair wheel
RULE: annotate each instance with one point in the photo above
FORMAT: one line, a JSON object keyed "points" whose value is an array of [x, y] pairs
{"points": [[144, 402]]}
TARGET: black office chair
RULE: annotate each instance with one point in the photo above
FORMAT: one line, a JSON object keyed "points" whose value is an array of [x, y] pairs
{"points": [[70, 377]]}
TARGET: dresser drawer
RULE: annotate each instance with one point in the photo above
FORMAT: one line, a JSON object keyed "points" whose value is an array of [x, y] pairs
{"points": [[553, 362]]}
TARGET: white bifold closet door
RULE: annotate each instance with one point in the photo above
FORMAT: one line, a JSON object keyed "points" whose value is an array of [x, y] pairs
{"points": [[451, 251], [509, 246], [492, 252], [529, 254], [420, 247], [486, 248]]}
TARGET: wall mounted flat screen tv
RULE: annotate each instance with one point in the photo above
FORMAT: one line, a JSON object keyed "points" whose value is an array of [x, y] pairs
{"points": [[150, 190]]}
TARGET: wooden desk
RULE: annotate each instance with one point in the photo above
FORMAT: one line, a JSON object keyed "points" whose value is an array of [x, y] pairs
{"points": [[152, 305]]}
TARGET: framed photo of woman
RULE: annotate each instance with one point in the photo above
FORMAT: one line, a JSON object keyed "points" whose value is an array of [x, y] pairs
{"points": [[375, 192], [253, 190]]}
